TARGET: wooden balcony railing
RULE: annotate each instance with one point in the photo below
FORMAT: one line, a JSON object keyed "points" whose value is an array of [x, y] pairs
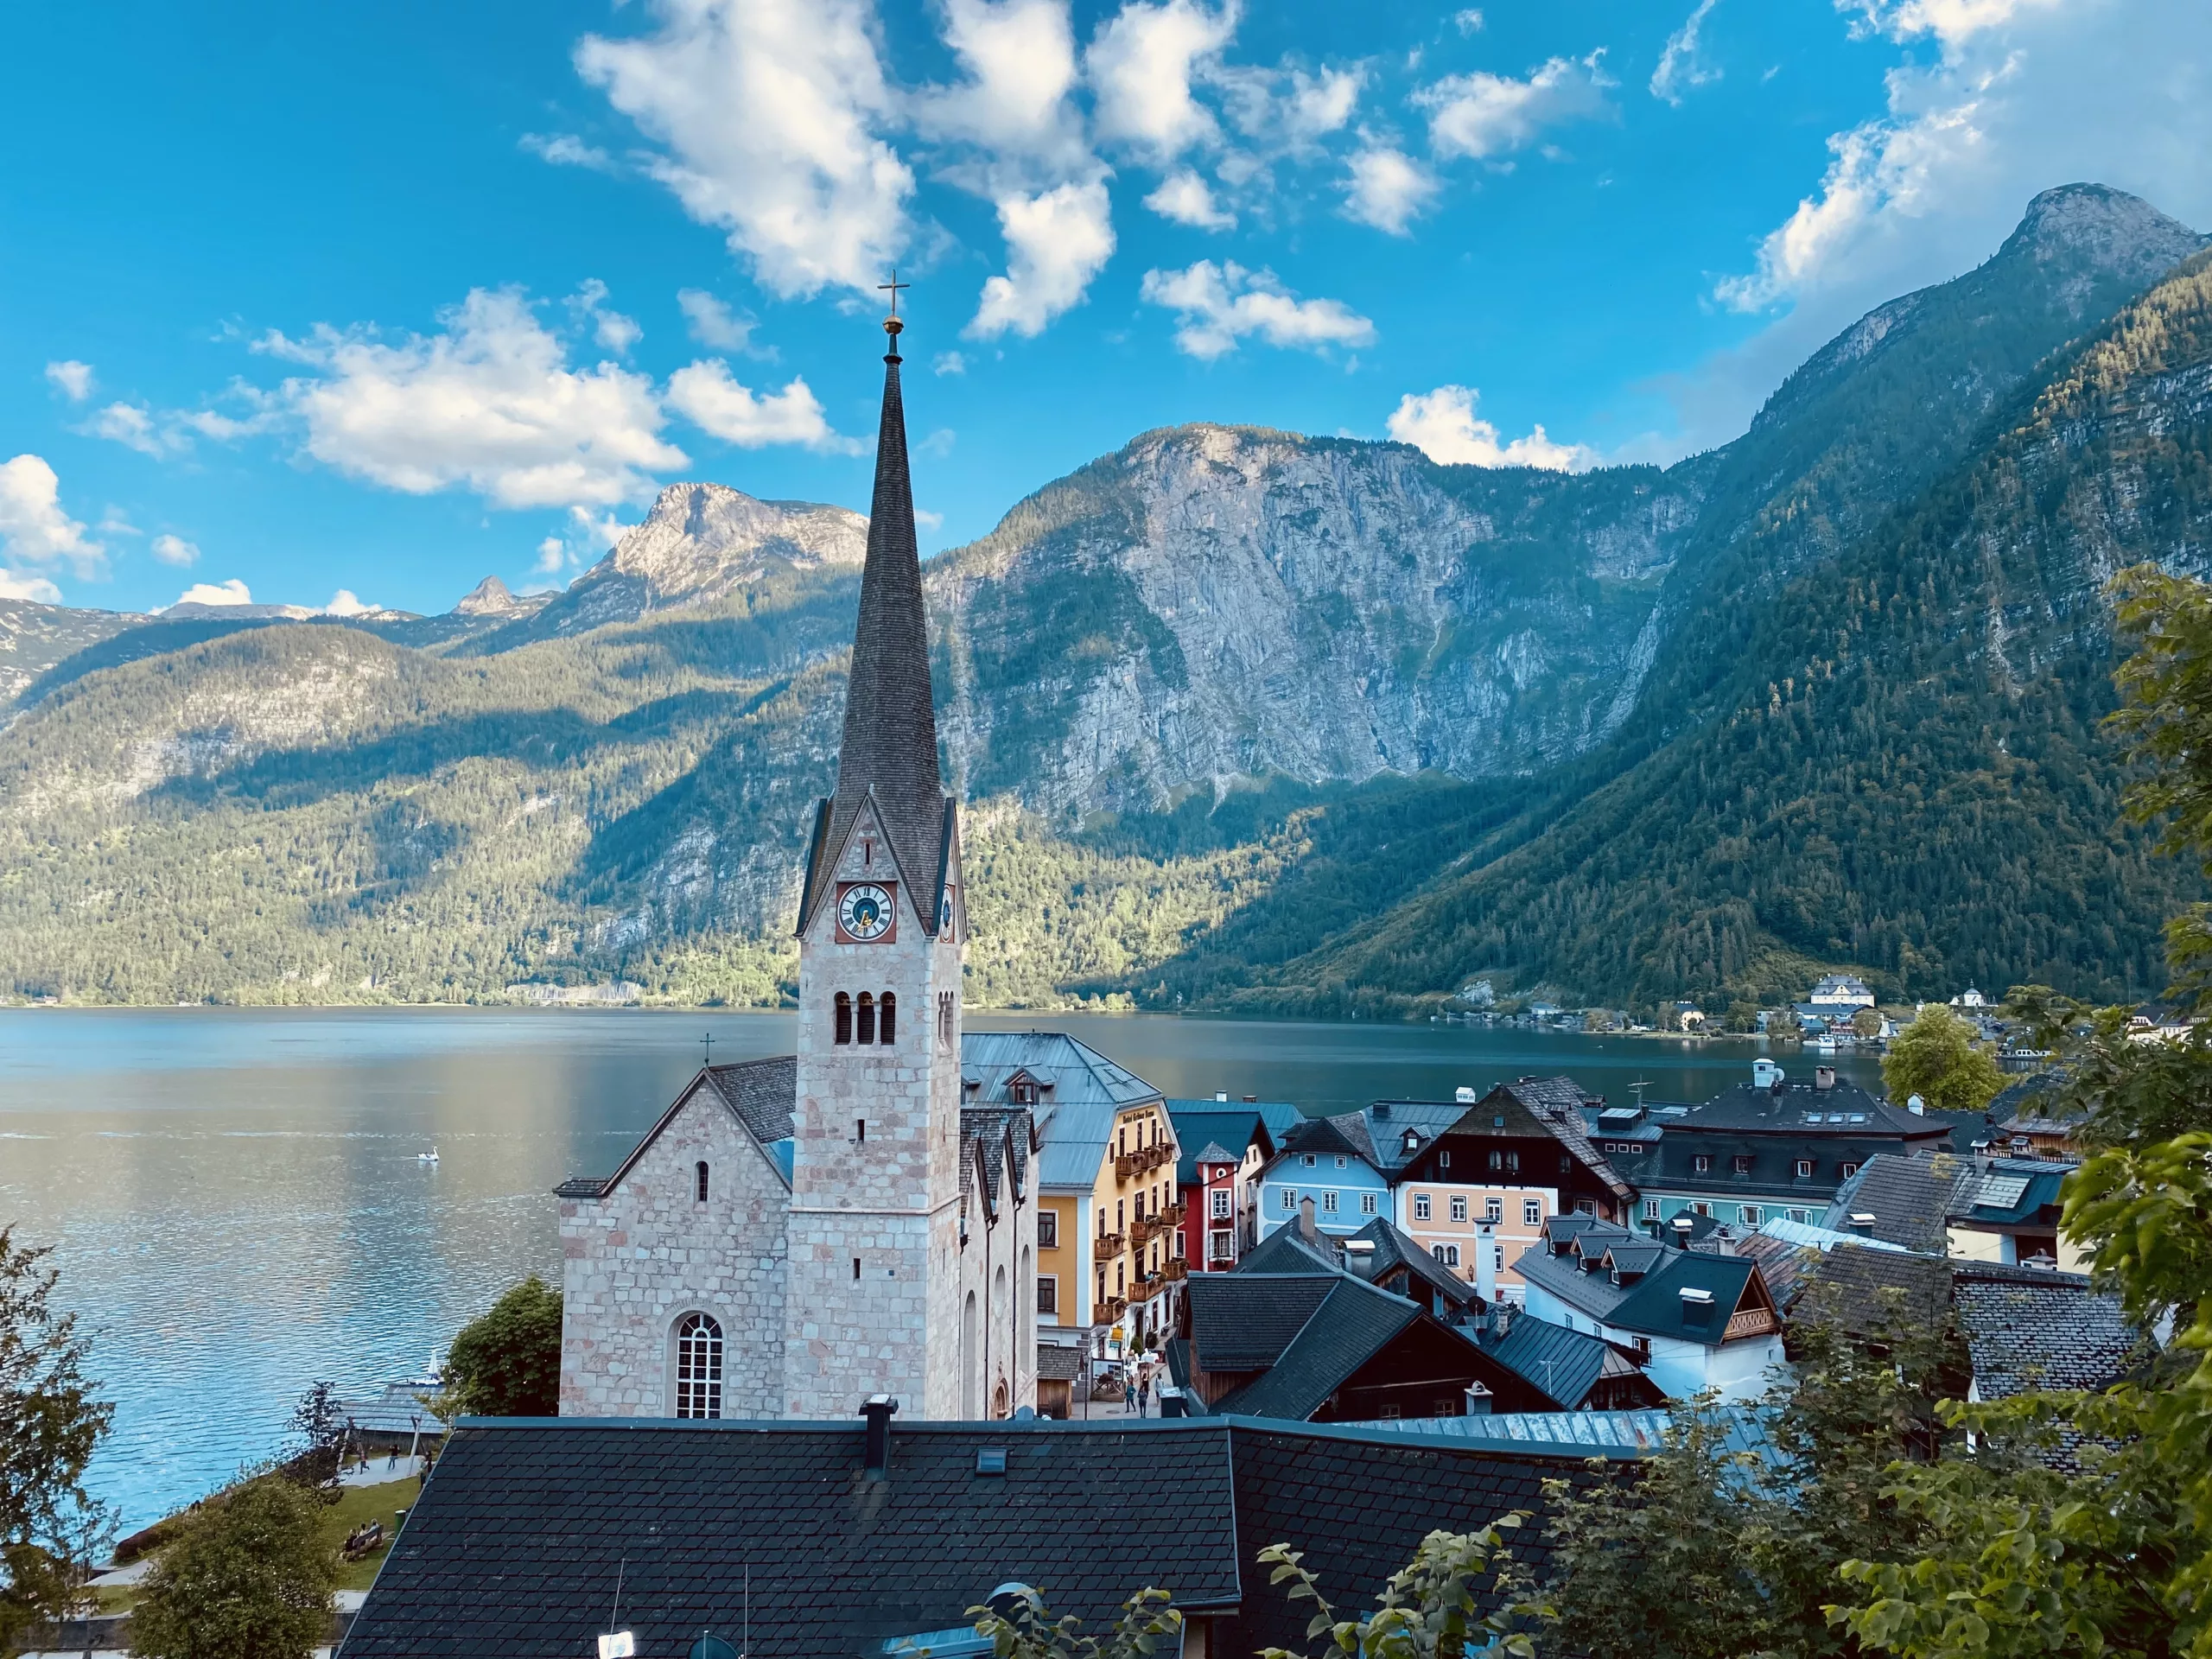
{"points": [[1175, 1270], [1175, 1213], [1751, 1322], [1111, 1245]]}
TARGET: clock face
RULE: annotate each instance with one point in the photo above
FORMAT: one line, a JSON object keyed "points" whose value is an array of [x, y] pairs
{"points": [[944, 916], [864, 912]]}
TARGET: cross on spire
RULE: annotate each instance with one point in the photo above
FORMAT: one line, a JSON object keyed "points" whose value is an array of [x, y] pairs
{"points": [[892, 326]]}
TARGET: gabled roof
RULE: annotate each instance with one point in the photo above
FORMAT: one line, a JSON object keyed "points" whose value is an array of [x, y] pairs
{"points": [[2007, 1191], [1232, 1129], [1907, 1197], [758, 1094], [1288, 1250], [1075, 1116], [2032, 1328], [1349, 1328], [1562, 1364], [1805, 1110], [1529, 1106], [1650, 1306], [1242, 1321], [1395, 1248], [990, 1135], [512, 1549]]}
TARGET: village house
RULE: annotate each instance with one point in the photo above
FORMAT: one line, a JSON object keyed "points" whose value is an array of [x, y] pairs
{"points": [[1083, 1104], [1770, 1146], [2002, 1210], [1223, 1147], [1697, 1320], [1329, 1162]]}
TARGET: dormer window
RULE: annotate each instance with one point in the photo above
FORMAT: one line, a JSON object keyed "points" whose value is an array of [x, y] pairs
{"points": [[1412, 1141], [1741, 1163], [1700, 1164], [1804, 1168]]}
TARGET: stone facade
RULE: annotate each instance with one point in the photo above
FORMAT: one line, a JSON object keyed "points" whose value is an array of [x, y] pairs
{"points": [[635, 1262]]}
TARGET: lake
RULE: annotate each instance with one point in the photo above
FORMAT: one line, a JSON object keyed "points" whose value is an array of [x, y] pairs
{"points": [[237, 1208]]}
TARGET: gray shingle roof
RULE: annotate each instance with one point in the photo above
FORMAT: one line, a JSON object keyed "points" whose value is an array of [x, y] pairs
{"points": [[1865, 1290], [1347, 1330], [1394, 1248], [1287, 1250], [1907, 1197], [758, 1094], [1650, 1306], [1242, 1321], [2032, 1328], [512, 1550]]}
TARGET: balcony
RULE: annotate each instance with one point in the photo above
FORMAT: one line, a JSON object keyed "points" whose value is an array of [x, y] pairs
{"points": [[1175, 1271], [1751, 1322], [1111, 1245], [1112, 1308], [1173, 1214], [1145, 1229]]}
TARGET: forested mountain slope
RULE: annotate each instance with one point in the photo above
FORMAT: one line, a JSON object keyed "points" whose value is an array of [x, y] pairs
{"points": [[1243, 717], [1908, 774]]}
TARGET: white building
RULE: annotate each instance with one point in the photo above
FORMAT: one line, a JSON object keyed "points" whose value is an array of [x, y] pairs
{"points": [[798, 1234], [1840, 992]]}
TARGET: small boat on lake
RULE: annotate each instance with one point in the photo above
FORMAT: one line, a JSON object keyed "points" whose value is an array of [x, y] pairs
{"points": [[430, 1157]]}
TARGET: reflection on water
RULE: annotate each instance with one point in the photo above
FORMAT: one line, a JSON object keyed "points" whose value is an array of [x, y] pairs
{"points": [[238, 1208]]}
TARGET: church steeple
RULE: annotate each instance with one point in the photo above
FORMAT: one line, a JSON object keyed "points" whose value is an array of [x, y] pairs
{"points": [[889, 752]]}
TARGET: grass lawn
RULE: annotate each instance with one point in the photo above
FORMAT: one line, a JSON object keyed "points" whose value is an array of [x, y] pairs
{"points": [[358, 1503]]}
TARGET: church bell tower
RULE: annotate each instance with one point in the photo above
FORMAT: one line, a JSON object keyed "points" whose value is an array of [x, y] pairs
{"points": [[872, 1301]]}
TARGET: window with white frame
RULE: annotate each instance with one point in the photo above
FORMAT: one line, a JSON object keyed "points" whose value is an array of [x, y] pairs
{"points": [[1651, 1208], [1493, 1210], [1459, 1206], [1285, 1199], [1307, 1160], [1421, 1206], [1343, 1162], [1329, 1201], [1367, 1204], [1222, 1200], [1804, 1168], [1048, 1230], [699, 1367], [1218, 1245], [1532, 1213], [1748, 1214]]}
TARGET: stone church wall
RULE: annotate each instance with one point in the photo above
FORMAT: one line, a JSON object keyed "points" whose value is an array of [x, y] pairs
{"points": [[636, 1261]]}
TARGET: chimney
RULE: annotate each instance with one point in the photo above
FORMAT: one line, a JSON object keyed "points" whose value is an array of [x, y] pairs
{"points": [[1221, 1094], [1382, 1109], [1916, 1106], [1824, 1076], [1478, 1400], [1485, 1264], [1306, 1227], [1862, 1221], [1765, 1073], [879, 1411], [1251, 1100]]}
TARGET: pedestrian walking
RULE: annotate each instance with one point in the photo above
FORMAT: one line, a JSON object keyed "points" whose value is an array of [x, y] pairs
{"points": [[1144, 1394]]}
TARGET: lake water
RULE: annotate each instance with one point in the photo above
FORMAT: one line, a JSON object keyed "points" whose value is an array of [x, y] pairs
{"points": [[237, 1208]]}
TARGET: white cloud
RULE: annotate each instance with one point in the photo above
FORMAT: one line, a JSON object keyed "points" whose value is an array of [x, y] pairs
{"points": [[1218, 306], [1286, 108], [2022, 95], [1387, 188], [949, 362], [1443, 426], [71, 378], [1056, 243], [1469, 21], [566, 150], [712, 324], [38, 589], [232, 592], [707, 395], [490, 404], [1680, 65], [1142, 64], [1020, 64], [927, 520], [580, 542], [136, 427], [1482, 115], [174, 549], [614, 331], [1186, 198], [768, 113], [346, 602], [34, 529]]}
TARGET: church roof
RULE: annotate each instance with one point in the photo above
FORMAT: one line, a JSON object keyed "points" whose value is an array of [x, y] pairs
{"points": [[514, 1546], [760, 1094], [889, 753]]}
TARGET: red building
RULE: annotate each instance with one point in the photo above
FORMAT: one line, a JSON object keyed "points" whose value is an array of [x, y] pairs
{"points": [[1223, 1148]]}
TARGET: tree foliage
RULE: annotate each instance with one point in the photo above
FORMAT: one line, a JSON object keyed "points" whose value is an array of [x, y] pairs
{"points": [[1940, 1057], [52, 1421], [507, 1362], [251, 1578]]}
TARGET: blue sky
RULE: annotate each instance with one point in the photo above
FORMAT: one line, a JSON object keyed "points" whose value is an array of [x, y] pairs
{"points": [[380, 299]]}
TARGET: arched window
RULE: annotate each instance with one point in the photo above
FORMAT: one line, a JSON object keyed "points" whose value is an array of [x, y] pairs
{"points": [[699, 1367], [866, 1033], [944, 1020], [887, 1018], [844, 1018], [702, 1180], [999, 1400], [971, 1381]]}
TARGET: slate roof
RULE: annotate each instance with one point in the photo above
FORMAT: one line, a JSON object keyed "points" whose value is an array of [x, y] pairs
{"points": [[1907, 1197], [1394, 1248], [1652, 1306], [1288, 1250], [1058, 1361], [760, 1094], [889, 749], [1842, 1109], [1534, 1106], [1865, 1290], [2034, 1328], [1563, 1365], [1242, 1321], [1347, 1330], [1201, 1123], [994, 1132], [513, 1548]]}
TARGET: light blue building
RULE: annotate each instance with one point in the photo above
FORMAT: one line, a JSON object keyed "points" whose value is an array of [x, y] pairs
{"points": [[1318, 1161]]}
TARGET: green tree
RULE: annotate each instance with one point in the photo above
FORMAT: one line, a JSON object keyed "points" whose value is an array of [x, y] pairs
{"points": [[507, 1363], [249, 1579], [1937, 1058], [51, 1422]]}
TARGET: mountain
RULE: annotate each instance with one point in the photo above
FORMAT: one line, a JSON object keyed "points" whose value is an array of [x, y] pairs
{"points": [[1246, 719]]}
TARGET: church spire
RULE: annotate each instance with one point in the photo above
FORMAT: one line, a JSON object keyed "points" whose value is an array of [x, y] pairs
{"points": [[890, 744]]}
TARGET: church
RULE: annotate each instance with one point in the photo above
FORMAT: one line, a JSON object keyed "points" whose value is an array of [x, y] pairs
{"points": [[799, 1234]]}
